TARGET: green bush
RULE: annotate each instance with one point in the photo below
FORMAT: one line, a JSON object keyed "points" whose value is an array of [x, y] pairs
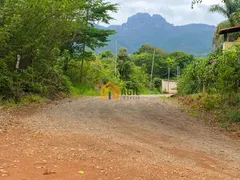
{"points": [[208, 103], [219, 73], [188, 82], [237, 99], [31, 99], [234, 115], [157, 83]]}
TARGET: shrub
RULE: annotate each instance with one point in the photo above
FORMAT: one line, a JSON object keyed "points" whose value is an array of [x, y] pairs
{"points": [[83, 89], [210, 102], [187, 85], [157, 83], [31, 99], [234, 115], [238, 99]]}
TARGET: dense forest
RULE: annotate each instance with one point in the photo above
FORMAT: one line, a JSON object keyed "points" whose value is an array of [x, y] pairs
{"points": [[47, 50]]}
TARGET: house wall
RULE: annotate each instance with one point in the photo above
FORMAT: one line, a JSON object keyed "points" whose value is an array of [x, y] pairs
{"points": [[169, 87], [228, 45]]}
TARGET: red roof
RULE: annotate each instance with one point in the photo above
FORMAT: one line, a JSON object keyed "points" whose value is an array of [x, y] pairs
{"points": [[230, 30]]}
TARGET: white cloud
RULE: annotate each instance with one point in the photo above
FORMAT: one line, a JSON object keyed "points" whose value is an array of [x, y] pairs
{"points": [[177, 12]]}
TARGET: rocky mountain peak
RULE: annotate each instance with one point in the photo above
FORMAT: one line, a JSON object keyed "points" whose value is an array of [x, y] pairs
{"points": [[145, 20]]}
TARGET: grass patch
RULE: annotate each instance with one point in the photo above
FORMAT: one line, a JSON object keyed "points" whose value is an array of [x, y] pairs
{"points": [[82, 89], [8, 103], [213, 110], [31, 99], [149, 92], [194, 114], [28, 99]]}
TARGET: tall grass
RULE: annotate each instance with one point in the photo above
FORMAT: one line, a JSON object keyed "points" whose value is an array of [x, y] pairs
{"points": [[84, 90]]}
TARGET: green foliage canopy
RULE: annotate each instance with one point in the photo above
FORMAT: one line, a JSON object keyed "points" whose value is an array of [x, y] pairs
{"points": [[220, 72], [47, 35]]}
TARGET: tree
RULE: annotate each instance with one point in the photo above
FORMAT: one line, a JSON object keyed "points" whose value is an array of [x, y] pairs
{"points": [[235, 18], [181, 59], [227, 9], [147, 48], [106, 54], [124, 64], [220, 73], [144, 60], [35, 31], [47, 35], [92, 37], [200, 1]]}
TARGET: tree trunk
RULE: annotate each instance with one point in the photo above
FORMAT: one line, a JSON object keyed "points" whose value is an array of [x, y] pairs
{"points": [[65, 67], [81, 73], [84, 43]]}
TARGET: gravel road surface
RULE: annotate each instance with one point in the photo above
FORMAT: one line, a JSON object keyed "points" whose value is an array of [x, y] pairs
{"points": [[88, 138]]}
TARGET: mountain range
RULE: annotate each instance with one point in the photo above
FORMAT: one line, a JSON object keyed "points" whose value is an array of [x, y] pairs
{"points": [[143, 28]]}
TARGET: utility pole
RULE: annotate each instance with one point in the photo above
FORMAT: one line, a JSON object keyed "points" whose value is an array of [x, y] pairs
{"points": [[115, 66], [169, 70], [178, 72], [152, 68]]}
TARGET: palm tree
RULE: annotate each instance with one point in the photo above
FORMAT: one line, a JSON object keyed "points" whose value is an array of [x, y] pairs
{"points": [[227, 8]]}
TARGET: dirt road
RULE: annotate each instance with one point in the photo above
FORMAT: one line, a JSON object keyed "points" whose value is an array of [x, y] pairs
{"points": [[87, 138]]}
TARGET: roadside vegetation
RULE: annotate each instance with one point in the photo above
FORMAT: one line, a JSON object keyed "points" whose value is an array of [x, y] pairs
{"points": [[211, 85], [47, 51]]}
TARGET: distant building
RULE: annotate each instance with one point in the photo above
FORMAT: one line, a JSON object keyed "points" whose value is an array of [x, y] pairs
{"points": [[169, 87]]}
